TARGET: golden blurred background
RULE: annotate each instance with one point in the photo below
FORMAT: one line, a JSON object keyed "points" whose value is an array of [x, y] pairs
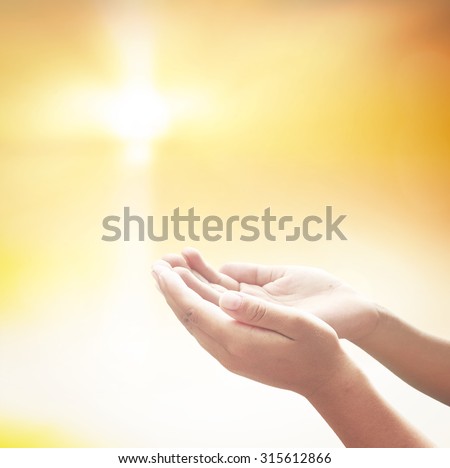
{"points": [[228, 107]]}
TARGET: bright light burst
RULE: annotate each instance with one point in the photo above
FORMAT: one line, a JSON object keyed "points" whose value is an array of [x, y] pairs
{"points": [[138, 113]]}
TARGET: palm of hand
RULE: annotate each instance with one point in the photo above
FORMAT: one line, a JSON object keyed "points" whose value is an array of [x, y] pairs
{"points": [[308, 289], [319, 293]]}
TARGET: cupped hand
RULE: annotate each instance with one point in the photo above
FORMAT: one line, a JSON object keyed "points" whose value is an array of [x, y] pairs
{"points": [[264, 341], [307, 289]]}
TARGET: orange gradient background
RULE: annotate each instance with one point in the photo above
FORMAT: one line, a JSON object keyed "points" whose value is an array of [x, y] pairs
{"points": [[228, 107]]}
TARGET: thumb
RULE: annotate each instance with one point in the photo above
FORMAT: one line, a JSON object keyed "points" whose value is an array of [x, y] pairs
{"points": [[259, 313]]}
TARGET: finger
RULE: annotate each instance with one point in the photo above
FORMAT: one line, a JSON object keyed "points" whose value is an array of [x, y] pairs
{"points": [[192, 310], [157, 281], [156, 267], [252, 273], [205, 290], [260, 313], [218, 288], [223, 337], [175, 260], [160, 264], [197, 263]]}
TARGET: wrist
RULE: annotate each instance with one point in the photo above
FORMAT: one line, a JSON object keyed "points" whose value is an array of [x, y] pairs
{"points": [[343, 382], [359, 416], [382, 317], [341, 379]]}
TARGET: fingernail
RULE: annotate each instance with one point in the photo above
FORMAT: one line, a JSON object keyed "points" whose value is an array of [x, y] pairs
{"points": [[158, 267], [231, 300]]}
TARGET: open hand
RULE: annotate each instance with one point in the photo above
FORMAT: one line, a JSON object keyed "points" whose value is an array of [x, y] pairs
{"points": [[267, 342], [307, 289]]}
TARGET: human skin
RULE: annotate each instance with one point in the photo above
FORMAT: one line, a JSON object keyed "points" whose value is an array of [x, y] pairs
{"points": [[309, 289], [284, 347], [418, 358]]}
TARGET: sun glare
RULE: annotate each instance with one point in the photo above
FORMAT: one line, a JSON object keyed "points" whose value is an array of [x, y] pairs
{"points": [[138, 113]]}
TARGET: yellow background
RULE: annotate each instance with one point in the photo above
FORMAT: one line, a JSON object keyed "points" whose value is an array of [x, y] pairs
{"points": [[229, 107]]}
